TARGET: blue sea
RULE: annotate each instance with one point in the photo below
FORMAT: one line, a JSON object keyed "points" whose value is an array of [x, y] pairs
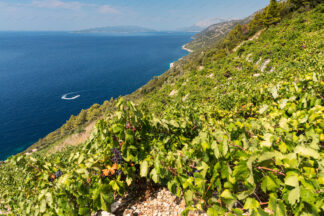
{"points": [[45, 77]]}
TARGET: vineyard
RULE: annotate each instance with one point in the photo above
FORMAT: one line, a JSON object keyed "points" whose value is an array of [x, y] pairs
{"points": [[239, 133]]}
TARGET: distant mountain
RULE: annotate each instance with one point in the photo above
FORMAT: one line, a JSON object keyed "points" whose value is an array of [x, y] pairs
{"points": [[117, 30], [208, 22], [201, 25], [193, 28]]}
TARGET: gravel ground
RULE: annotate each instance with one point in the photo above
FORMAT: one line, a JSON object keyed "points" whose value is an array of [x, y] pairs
{"points": [[159, 202]]}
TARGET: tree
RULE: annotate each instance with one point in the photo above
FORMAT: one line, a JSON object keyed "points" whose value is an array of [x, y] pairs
{"points": [[81, 118], [304, 3], [245, 29], [256, 24], [271, 14]]}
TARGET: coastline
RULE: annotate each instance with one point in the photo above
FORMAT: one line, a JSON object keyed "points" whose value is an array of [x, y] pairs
{"points": [[184, 48]]}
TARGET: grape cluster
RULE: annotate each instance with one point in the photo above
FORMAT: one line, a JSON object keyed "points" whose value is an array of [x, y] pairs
{"points": [[118, 172], [117, 158], [58, 174], [191, 174]]}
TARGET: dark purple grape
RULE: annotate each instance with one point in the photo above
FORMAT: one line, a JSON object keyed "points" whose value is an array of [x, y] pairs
{"points": [[58, 174], [119, 172], [117, 157], [190, 174]]}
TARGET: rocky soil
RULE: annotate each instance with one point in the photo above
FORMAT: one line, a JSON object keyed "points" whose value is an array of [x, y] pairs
{"points": [[156, 202]]}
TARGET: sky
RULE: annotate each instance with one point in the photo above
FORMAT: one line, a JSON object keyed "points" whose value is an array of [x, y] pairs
{"points": [[66, 15]]}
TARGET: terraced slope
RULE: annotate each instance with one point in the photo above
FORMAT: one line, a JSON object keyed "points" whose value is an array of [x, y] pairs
{"points": [[234, 133]]}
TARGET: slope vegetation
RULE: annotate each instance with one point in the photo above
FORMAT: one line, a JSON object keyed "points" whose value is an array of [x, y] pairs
{"points": [[213, 33], [233, 132]]}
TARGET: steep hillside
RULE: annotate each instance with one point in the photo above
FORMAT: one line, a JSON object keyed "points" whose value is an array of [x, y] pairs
{"points": [[211, 35], [235, 130]]}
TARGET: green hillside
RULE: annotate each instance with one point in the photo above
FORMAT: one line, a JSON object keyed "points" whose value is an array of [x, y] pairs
{"points": [[235, 130], [208, 37]]}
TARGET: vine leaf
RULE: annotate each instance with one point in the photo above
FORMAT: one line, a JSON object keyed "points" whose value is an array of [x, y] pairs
{"points": [[307, 152], [203, 168], [274, 92], [292, 181], [227, 195], [268, 184], [263, 109], [188, 196], [42, 208], [144, 168], [129, 181], [268, 138], [216, 150], [154, 176], [251, 204], [294, 195]]}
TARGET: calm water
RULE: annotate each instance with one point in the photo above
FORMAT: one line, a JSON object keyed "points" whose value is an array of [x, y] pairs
{"points": [[37, 69]]}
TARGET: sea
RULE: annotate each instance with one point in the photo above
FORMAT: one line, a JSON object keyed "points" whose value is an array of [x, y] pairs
{"points": [[45, 77]]}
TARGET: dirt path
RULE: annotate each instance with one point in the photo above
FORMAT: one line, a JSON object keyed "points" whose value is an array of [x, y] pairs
{"points": [[254, 37], [76, 139]]}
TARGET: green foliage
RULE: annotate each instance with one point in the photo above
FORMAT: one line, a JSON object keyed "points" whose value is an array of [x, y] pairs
{"points": [[305, 3], [213, 36], [75, 124], [272, 14], [230, 143], [210, 36]]}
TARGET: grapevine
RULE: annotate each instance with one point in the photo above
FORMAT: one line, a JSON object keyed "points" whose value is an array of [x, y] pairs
{"points": [[246, 145]]}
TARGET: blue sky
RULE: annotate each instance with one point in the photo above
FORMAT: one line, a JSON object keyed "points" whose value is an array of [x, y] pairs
{"points": [[157, 14]]}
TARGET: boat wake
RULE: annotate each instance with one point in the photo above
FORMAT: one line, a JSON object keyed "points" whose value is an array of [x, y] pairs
{"points": [[67, 97]]}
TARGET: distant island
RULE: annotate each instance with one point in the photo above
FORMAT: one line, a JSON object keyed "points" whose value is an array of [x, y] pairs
{"points": [[131, 30], [117, 30]]}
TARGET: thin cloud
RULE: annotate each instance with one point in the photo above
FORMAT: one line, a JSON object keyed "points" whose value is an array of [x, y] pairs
{"points": [[106, 9], [57, 4], [75, 5]]}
